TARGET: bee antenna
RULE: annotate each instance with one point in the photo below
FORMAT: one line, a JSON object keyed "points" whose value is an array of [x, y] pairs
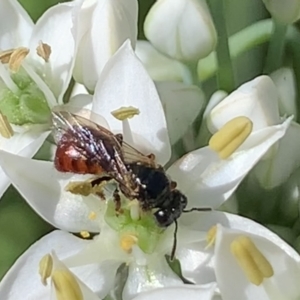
{"points": [[197, 209], [174, 241]]}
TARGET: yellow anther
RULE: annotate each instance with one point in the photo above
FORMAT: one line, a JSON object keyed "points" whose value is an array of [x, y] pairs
{"points": [[5, 128], [66, 285], [45, 268], [5, 55], [44, 51], [231, 136], [253, 263], [211, 236], [92, 215], [17, 58], [85, 234], [124, 113], [83, 188], [127, 241]]}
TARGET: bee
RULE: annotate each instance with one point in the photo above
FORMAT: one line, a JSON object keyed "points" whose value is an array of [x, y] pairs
{"points": [[84, 147]]}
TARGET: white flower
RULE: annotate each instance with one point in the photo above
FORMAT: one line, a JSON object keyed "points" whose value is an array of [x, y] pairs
{"points": [[228, 262], [258, 100], [189, 33], [159, 66], [31, 86], [287, 12], [102, 27]]}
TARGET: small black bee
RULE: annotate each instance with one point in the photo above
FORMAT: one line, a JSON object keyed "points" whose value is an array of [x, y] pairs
{"points": [[84, 147]]}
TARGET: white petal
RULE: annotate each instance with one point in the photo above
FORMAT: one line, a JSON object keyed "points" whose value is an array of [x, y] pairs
{"points": [[24, 144], [204, 292], [283, 285], [23, 278], [54, 29], [285, 81], [282, 161], [125, 82], [160, 67], [15, 25], [103, 26], [155, 274], [209, 181], [189, 33], [256, 99], [205, 221], [197, 263], [182, 104], [43, 189]]}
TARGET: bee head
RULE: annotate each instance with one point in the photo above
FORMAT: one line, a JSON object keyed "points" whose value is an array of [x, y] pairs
{"points": [[172, 205]]}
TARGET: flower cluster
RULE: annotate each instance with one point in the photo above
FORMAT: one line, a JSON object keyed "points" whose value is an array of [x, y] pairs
{"points": [[150, 166]]}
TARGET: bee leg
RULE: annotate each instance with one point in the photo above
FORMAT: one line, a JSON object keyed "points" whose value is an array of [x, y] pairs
{"points": [[117, 200], [173, 185], [99, 180], [174, 242]]}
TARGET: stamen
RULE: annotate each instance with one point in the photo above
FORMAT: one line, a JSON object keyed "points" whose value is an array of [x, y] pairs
{"points": [[85, 234], [5, 76], [92, 215], [5, 55], [5, 128], [66, 285], [44, 51], [17, 58], [231, 136], [127, 241], [83, 188], [211, 236], [254, 264], [45, 268], [124, 113]]}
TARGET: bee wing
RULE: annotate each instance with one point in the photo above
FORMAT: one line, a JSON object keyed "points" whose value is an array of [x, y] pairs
{"points": [[131, 155], [94, 143]]}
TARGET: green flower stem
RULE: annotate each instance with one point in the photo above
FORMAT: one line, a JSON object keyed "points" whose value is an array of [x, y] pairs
{"points": [[276, 48], [293, 47], [244, 40], [225, 74]]}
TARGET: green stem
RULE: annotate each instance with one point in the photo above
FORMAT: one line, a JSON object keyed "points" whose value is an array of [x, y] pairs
{"points": [[244, 40], [225, 74], [293, 46], [276, 48]]}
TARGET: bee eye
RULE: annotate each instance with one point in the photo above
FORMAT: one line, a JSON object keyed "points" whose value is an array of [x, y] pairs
{"points": [[163, 217]]}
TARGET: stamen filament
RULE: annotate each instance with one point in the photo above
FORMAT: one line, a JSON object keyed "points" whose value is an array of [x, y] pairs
{"points": [[41, 84], [5, 76]]}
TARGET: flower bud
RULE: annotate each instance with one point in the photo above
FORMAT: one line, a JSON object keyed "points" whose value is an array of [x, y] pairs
{"points": [[284, 79], [181, 29], [286, 12], [159, 66], [101, 28]]}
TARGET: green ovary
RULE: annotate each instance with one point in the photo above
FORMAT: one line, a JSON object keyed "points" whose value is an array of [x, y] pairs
{"points": [[27, 106], [145, 229]]}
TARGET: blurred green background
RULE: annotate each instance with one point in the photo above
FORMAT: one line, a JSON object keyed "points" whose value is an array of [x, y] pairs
{"points": [[19, 225]]}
